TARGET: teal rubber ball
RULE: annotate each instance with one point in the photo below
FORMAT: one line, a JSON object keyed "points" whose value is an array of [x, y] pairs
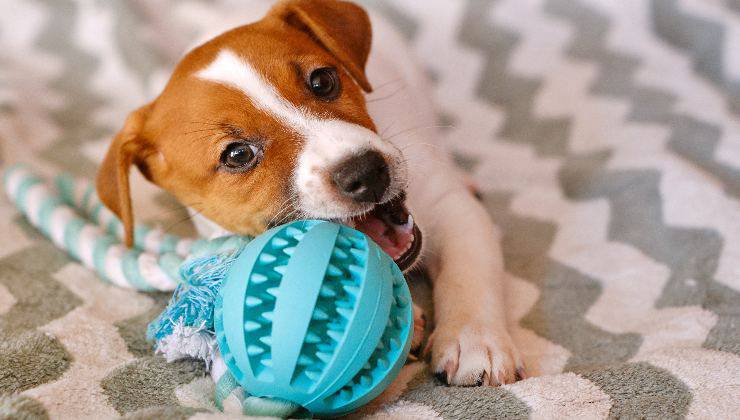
{"points": [[314, 313]]}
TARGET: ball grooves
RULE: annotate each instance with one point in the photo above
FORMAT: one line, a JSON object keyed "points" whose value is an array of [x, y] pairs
{"points": [[334, 308], [262, 291]]}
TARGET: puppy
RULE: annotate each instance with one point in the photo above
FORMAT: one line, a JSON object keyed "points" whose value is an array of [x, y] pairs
{"points": [[269, 122]]}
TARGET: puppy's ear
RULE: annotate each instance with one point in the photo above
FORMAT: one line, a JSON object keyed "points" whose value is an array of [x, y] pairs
{"points": [[112, 182], [340, 27]]}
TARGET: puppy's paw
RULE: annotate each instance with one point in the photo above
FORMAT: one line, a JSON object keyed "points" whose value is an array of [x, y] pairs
{"points": [[474, 355]]}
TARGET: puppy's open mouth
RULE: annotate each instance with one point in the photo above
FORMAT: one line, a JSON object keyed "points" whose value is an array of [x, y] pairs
{"points": [[392, 227]]}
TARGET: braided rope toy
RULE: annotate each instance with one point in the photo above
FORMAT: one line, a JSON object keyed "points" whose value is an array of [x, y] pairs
{"points": [[70, 214], [334, 352]]}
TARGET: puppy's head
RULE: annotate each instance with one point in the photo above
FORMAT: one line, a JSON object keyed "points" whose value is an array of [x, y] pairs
{"points": [[267, 123]]}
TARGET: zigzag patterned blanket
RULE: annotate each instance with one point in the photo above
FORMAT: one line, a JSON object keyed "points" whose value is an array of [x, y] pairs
{"points": [[605, 134]]}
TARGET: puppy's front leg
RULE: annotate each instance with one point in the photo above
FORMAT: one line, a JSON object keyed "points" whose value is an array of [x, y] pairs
{"points": [[470, 344]]}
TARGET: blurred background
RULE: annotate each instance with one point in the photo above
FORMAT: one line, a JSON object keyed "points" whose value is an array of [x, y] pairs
{"points": [[605, 138]]}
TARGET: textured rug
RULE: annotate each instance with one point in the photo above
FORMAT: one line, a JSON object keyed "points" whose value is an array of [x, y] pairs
{"points": [[605, 136]]}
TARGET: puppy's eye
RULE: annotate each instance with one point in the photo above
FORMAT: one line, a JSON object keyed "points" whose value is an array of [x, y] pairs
{"points": [[239, 156], [324, 83]]}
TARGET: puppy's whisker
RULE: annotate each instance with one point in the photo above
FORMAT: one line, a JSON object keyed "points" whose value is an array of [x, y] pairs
{"points": [[418, 160], [219, 126], [290, 197], [178, 207], [287, 216], [201, 130], [284, 208], [208, 126], [185, 219], [409, 130], [388, 83], [213, 136], [422, 161], [388, 96], [206, 123], [286, 205], [421, 143], [274, 217], [293, 211], [382, 133], [209, 121]]}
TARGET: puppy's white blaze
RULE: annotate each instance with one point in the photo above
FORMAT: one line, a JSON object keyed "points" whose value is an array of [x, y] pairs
{"points": [[234, 71], [327, 141]]}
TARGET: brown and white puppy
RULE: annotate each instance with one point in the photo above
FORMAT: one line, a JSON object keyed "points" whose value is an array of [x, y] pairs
{"points": [[269, 122]]}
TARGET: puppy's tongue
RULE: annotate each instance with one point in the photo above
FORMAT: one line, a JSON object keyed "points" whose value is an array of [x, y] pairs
{"points": [[391, 227]]}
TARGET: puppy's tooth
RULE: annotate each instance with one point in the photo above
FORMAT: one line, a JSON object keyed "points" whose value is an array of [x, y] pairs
{"points": [[409, 223]]}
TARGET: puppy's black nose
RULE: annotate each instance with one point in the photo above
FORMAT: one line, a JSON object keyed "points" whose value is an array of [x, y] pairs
{"points": [[363, 178]]}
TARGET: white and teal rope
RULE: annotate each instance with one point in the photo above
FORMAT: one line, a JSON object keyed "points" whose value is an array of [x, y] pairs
{"points": [[81, 195], [232, 399], [70, 214]]}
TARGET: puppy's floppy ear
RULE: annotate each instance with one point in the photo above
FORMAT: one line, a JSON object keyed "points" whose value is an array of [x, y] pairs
{"points": [[112, 182], [341, 27]]}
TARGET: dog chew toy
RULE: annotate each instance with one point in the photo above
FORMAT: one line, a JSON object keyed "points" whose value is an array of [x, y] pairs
{"points": [[316, 314], [310, 315]]}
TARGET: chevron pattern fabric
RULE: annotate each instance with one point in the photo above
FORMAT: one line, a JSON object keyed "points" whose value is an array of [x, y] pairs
{"points": [[605, 136]]}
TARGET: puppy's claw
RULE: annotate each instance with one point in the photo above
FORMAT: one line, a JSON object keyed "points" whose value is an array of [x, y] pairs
{"points": [[450, 369], [520, 373], [480, 381], [489, 380], [475, 356], [445, 375], [501, 378], [441, 377]]}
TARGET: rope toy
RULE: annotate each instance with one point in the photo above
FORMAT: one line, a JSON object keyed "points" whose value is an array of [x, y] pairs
{"points": [[309, 318]]}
